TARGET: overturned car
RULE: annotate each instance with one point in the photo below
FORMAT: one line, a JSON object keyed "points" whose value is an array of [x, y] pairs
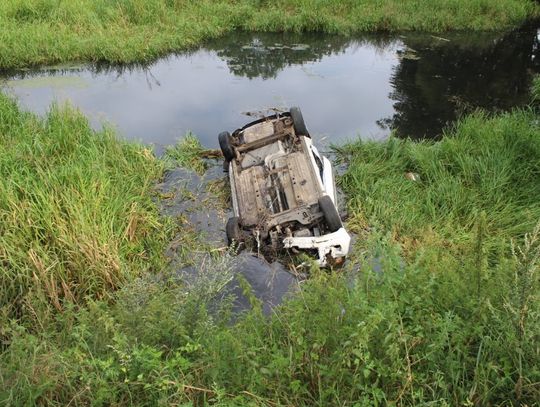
{"points": [[283, 191]]}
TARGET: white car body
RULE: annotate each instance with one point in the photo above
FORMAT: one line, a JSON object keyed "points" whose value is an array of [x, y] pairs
{"points": [[279, 184]]}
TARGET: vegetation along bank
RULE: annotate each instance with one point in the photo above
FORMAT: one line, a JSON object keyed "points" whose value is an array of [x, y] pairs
{"points": [[37, 32], [445, 307]]}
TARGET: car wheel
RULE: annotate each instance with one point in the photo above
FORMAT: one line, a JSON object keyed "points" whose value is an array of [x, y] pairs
{"points": [[298, 122], [331, 215], [226, 146], [234, 234]]}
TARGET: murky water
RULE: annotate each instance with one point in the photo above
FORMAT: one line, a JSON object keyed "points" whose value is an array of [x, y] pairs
{"points": [[191, 199], [413, 83]]}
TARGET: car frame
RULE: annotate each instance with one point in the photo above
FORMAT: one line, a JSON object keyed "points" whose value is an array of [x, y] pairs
{"points": [[282, 189]]}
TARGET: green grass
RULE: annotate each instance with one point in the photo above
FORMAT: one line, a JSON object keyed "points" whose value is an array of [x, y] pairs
{"points": [[76, 216], [35, 32], [188, 153], [535, 90], [444, 311], [486, 167]]}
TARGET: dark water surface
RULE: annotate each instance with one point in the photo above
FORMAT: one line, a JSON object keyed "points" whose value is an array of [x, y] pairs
{"points": [[347, 87], [190, 198]]}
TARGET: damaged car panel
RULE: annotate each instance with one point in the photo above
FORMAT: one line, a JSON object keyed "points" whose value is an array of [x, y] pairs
{"points": [[283, 191]]}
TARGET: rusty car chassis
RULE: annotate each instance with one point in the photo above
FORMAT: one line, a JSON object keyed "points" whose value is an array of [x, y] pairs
{"points": [[283, 191]]}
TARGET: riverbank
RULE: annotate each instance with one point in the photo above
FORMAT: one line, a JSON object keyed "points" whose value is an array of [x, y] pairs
{"points": [[40, 32], [77, 217], [445, 307]]}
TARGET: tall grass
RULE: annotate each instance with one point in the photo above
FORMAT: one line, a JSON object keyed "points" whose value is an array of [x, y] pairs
{"points": [[445, 309], [51, 31], [76, 219], [410, 334], [484, 164]]}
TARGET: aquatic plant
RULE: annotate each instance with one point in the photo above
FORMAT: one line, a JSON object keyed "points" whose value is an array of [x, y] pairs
{"points": [[188, 153]]}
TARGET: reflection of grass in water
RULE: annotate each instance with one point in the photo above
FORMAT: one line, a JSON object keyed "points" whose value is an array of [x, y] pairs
{"points": [[55, 82]]}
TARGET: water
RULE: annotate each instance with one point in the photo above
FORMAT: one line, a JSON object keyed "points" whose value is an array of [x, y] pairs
{"points": [[347, 87], [189, 196]]}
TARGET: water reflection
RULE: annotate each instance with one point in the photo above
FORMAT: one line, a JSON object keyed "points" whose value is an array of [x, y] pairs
{"points": [[440, 78], [413, 83], [265, 55]]}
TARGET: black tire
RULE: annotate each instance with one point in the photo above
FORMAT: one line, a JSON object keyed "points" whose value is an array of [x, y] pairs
{"points": [[234, 234], [331, 215], [226, 146], [298, 122]]}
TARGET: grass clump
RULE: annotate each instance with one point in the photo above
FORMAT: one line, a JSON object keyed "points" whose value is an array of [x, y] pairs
{"points": [[76, 216], [37, 32], [188, 153]]}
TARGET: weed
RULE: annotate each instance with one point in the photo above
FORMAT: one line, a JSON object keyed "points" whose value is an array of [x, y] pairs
{"points": [[187, 153]]}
